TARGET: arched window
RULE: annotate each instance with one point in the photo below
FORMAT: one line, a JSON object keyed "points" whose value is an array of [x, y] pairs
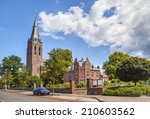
{"points": [[39, 51], [35, 49]]}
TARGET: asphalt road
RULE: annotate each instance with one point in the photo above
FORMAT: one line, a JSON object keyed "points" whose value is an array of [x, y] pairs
{"points": [[7, 96]]}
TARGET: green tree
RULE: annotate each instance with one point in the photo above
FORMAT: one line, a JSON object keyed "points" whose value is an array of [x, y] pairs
{"points": [[23, 78], [57, 64], [110, 66], [1, 70], [35, 80], [3, 80], [6, 80], [9, 79], [134, 69], [12, 64], [46, 78]]}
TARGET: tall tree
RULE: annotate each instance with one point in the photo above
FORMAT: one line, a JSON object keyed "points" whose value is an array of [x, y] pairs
{"points": [[34, 81], [3, 80], [1, 70], [12, 64], [46, 78], [110, 66], [134, 69], [57, 64], [9, 79], [23, 78]]}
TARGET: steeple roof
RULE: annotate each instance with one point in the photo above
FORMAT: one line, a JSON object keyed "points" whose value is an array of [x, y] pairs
{"points": [[35, 31]]}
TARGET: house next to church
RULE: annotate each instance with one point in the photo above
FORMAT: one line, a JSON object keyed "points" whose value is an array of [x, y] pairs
{"points": [[82, 70]]}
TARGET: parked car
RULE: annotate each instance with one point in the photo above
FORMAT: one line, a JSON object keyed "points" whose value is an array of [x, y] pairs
{"points": [[41, 91]]}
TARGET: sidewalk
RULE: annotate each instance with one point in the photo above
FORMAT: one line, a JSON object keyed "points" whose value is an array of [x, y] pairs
{"points": [[99, 98], [90, 98], [69, 97]]}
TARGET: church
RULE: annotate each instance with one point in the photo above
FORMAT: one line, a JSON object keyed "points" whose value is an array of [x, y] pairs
{"points": [[79, 71], [34, 51]]}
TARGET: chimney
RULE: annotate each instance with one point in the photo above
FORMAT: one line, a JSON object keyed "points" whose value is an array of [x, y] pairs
{"points": [[87, 59], [76, 60]]}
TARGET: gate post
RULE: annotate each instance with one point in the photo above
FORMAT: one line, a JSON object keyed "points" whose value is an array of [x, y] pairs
{"points": [[72, 86], [89, 85]]}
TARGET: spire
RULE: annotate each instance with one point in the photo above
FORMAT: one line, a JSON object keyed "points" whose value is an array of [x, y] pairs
{"points": [[35, 31], [87, 59]]}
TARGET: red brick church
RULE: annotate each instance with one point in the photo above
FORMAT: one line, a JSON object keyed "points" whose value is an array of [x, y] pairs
{"points": [[34, 51], [80, 71]]}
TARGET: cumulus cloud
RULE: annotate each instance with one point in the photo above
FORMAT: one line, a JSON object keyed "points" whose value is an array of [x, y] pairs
{"points": [[51, 35], [82, 5], [122, 25]]}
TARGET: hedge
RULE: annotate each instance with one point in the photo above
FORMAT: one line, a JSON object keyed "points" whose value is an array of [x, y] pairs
{"points": [[128, 91]]}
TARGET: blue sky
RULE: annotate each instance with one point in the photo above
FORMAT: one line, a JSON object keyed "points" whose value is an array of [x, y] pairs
{"points": [[100, 27], [16, 22]]}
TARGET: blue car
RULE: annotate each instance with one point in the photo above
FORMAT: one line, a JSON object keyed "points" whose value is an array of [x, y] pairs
{"points": [[41, 91]]}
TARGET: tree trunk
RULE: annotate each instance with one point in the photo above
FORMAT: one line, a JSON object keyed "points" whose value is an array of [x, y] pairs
{"points": [[34, 85], [53, 88], [8, 86], [5, 86], [135, 83], [41, 84]]}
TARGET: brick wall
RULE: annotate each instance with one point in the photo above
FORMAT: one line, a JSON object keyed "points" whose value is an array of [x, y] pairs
{"points": [[95, 91]]}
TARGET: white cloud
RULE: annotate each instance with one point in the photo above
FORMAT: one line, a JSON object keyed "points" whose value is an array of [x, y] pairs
{"points": [[53, 36], [82, 5], [126, 30]]}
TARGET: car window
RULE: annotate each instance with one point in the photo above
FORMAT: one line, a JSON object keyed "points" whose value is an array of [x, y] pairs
{"points": [[41, 88]]}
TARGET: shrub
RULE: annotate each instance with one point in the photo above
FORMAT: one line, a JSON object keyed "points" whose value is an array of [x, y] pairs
{"points": [[81, 85], [67, 85], [128, 91], [64, 85], [106, 83]]}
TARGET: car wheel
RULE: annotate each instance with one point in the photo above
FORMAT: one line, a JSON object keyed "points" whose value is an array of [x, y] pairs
{"points": [[39, 93]]}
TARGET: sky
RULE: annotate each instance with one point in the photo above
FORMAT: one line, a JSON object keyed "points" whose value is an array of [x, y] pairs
{"points": [[89, 28]]}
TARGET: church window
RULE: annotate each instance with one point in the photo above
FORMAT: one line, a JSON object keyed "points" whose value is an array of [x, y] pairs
{"points": [[35, 50], [39, 51]]}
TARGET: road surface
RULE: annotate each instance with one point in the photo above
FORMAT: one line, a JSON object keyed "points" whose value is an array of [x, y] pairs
{"points": [[17, 96]]}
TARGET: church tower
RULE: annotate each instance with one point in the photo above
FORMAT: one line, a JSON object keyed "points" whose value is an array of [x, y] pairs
{"points": [[34, 51]]}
